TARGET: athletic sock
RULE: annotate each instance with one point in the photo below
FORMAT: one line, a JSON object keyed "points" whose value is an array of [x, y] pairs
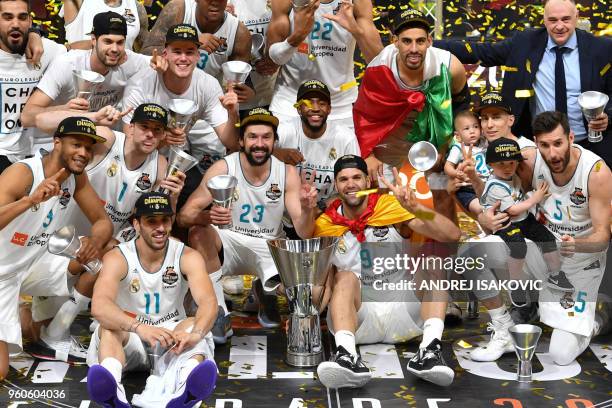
{"points": [[432, 329], [346, 339], [501, 316], [115, 367], [186, 369], [215, 277], [60, 325]]}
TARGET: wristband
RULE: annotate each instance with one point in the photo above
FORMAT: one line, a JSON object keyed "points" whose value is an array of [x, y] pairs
{"points": [[134, 326], [281, 52]]}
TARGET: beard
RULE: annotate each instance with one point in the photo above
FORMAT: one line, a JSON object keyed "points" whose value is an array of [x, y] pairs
{"points": [[313, 128], [256, 162], [18, 48], [565, 160], [105, 60], [152, 244], [351, 201]]}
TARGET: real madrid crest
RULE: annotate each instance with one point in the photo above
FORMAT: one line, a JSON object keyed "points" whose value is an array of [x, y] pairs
{"points": [[112, 170], [135, 285], [341, 248], [332, 153]]}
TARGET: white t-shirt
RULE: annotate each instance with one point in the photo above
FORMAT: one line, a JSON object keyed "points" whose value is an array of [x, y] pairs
{"points": [[507, 191], [204, 90], [320, 154], [17, 82]]}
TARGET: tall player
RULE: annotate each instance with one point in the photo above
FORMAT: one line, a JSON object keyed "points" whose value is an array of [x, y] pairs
{"points": [[318, 41], [35, 194], [266, 189], [139, 299]]}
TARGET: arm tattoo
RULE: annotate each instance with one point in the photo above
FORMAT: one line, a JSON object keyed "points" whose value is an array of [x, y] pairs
{"points": [[172, 14]]}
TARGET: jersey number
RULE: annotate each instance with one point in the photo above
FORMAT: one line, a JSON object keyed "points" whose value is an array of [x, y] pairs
{"points": [[558, 215], [203, 60], [48, 220], [481, 167], [122, 193], [148, 302], [325, 34], [366, 259], [246, 209]]}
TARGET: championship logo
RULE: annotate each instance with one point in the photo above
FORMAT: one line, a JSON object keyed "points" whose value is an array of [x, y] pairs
{"points": [[129, 16], [35, 207], [134, 285], [577, 197], [170, 277], [274, 192], [144, 182], [567, 302], [65, 197], [112, 170], [128, 234], [380, 232]]}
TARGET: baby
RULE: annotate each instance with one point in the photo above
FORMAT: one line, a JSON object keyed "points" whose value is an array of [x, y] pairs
{"points": [[503, 156]]}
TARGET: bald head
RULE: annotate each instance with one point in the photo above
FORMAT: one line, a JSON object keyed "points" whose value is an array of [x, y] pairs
{"points": [[560, 19]]}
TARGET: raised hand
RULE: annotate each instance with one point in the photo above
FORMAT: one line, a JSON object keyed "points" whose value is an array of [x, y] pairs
{"points": [[303, 20], [109, 115], [49, 187], [243, 92], [308, 191], [88, 251], [345, 17], [210, 43], [541, 192], [174, 183], [230, 99], [158, 62], [404, 194], [175, 136]]}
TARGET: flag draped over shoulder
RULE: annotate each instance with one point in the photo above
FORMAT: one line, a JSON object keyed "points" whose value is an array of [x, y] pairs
{"points": [[382, 106], [382, 210]]}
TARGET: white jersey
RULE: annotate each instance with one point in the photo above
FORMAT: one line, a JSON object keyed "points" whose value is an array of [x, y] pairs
{"points": [[479, 153], [333, 48], [508, 192], [79, 28], [153, 297], [566, 210], [204, 90], [25, 238], [256, 16], [119, 188], [319, 154], [524, 143], [257, 210], [17, 82]]}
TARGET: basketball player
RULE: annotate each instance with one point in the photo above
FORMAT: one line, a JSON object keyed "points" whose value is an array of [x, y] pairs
{"points": [[33, 202], [312, 143], [356, 317], [266, 189], [318, 41], [139, 299]]}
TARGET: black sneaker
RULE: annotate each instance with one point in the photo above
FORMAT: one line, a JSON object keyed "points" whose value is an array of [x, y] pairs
{"points": [[429, 365], [525, 314], [267, 315], [560, 282], [343, 370]]}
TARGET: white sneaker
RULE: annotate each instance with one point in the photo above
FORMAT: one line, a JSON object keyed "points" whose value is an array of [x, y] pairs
{"points": [[499, 344], [64, 347], [233, 285]]}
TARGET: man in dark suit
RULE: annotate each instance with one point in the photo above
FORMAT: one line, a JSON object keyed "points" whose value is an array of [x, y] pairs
{"points": [[547, 69]]}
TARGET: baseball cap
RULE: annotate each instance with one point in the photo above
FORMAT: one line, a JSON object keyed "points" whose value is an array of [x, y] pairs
{"points": [[350, 161], [109, 23], [182, 32], [78, 126], [503, 149], [152, 112], [260, 115], [313, 86], [409, 18], [153, 203], [493, 100]]}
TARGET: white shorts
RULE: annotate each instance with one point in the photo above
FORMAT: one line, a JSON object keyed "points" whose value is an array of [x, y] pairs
{"points": [[45, 276], [245, 255], [136, 357]]}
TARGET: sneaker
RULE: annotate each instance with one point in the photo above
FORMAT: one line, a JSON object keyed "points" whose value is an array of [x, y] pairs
{"points": [[199, 385], [222, 329], [103, 388], [233, 285], [343, 370], [560, 282], [499, 344], [526, 314], [65, 347], [267, 315], [429, 365]]}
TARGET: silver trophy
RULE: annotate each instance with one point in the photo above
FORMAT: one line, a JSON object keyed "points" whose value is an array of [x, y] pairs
{"points": [[422, 156], [222, 189], [65, 242], [258, 43], [154, 353], [85, 83], [525, 338], [235, 72], [593, 104], [178, 160], [303, 266], [180, 112]]}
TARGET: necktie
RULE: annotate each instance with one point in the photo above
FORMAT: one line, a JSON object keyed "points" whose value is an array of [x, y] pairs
{"points": [[560, 89]]}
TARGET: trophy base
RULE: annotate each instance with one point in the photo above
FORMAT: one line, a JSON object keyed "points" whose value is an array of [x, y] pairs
{"points": [[596, 138], [304, 359], [224, 226]]}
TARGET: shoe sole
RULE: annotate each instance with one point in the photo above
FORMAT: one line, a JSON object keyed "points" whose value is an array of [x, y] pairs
{"points": [[332, 375], [267, 324], [488, 360], [440, 375], [200, 384], [223, 340], [102, 388]]}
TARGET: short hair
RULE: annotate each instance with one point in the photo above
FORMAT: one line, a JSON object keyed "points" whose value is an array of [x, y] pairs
{"points": [[25, 1], [466, 114], [257, 122], [547, 122], [545, 2]]}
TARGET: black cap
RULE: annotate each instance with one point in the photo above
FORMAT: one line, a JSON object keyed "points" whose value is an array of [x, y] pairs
{"points": [[503, 149], [409, 18], [109, 23], [153, 203], [313, 86], [182, 32], [150, 112], [260, 115], [78, 126], [493, 100], [349, 161]]}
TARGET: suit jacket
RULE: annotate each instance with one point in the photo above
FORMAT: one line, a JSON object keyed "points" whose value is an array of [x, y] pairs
{"points": [[522, 54]]}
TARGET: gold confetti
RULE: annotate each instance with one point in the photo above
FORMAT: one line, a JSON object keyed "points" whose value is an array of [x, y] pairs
{"points": [[528, 66], [446, 104], [464, 344], [468, 47], [604, 69], [509, 69], [524, 93], [348, 85]]}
